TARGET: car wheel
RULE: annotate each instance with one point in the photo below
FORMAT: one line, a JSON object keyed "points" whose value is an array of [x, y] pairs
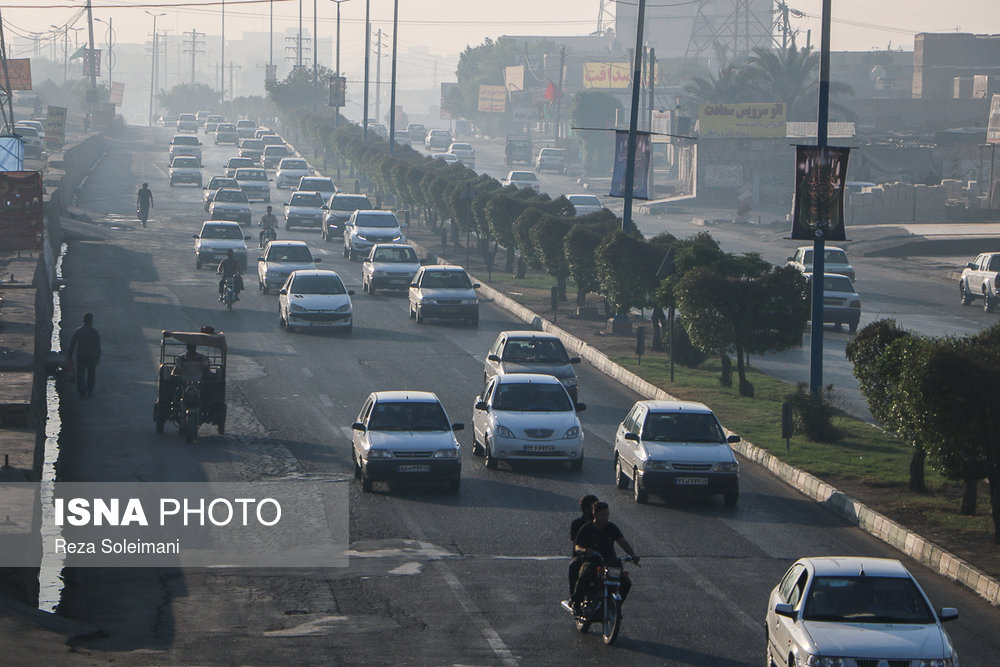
{"points": [[476, 449], [964, 294], [732, 496], [639, 493], [347, 252], [357, 468], [412, 314], [621, 479], [197, 263], [419, 315], [371, 288], [323, 235], [988, 303], [576, 465], [264, 288], [454, 485], [171, 182], [366, 482], [474, 321], [491, 461], [853, 327]]}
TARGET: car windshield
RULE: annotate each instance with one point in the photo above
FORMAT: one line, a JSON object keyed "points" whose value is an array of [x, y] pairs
{"points": [[217, 183], [534, 350], [230, 196], [186, 116], [522, 176], [289, 253], [461, 147], [531, 397], [222, 232], [408, 416], [584, 200], [316, 184], [239, 162], [866, 599], [254, 144], [350, 203], [837, 284], [245, 123], [830, 257], [294, 164], [185, 162], [306, 199], [395, 255], [552, 152], [271, 151], [250, 175], [317, 285], [376, 220], [446, 279], [682, 427], [186, 141], [225, 127]]}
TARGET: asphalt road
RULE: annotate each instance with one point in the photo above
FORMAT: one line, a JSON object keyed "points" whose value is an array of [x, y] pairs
{"points": [[434, 578]]}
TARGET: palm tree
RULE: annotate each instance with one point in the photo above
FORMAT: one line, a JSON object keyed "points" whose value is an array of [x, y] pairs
{"points": [[730, 86], [791, 76]]}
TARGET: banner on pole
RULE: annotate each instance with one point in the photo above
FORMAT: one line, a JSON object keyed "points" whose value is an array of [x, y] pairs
{"points": [[19, 71], [820, 179], [55, 127], [641, 183], [21, 223], [492, 99]]}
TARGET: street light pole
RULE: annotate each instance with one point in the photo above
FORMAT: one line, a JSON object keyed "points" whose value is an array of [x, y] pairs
{"points": [[111, 56], [392, 93], [222, 78], [65, 30], [152, 72], [368, 48], [336, 111], [315, 58]]}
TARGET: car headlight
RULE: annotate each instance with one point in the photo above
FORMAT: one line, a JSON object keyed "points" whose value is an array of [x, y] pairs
{"points": [[362, 237], [726, 467], [295, 308], [346, 308], [940, 662], [571, 433], [502, 431], [470, 302], [397, 237], [379, 454], [656, 465], [568, 382], [446, 454], [822, 661], [855, 304]]}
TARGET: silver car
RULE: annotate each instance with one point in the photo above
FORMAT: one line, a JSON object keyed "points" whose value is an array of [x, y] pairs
{"points": [[389, 266], [531, 352]]}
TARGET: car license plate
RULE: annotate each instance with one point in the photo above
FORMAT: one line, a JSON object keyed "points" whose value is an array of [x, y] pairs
{"points": [[539, 448], [692, 481], [414, 468]]}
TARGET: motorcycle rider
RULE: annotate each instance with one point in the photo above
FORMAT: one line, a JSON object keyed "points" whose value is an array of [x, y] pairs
{"points": [[144, 202], [586, 516], [230, 268], [598, 537], [269, 222], [191, 366]]}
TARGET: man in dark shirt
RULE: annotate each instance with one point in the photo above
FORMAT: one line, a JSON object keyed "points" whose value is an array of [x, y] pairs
{"points": [[87, 344], [230, 268], [586, 516], [143, 202], [599, 537]]}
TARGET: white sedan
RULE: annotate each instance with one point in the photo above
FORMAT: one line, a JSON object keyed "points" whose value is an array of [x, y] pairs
{"points": [[522, 179], [527, 417], [585, 203], [846, 611], [315, 298]]}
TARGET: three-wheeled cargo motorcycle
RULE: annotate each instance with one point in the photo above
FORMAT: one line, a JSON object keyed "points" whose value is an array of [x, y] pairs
{"points": [[190, 400]]}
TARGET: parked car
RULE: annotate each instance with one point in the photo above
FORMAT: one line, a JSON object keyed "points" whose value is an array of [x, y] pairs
{"points": [[225, 133], [278, 261], [188, 122], [465, 153], [585, 204], [274, 154], [405, 436], [212, 123], [235, 163], [245, 128], [254, 182], [981, 280], [522, 179], [252, 149], [671, 446], [290, 171], [837, 610], [215, 239], [445, 292], [417, 132], [389, 266], [230, 204], [841, 302], [304, 209], [315, 298], [834, 261], [437, 140], [184, 169], [527, 417], [321, 184], [339, 209], [553, 159], [215, 184], [366, 228], [531, 352]]}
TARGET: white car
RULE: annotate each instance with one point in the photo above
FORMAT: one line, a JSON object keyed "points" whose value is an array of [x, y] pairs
{"points": [[212, 123], [315, 298], [280, 258], [445, 292], [522, 179], [29, 135], [553, 159], [304, 209], [235, 163], [405, 436], [389, 266], [841, 301], [402, 137], [850, 611], [37, 124], [245, 129], [436, 140], [366, 228], [445, 157], [185, 169], [274, 154], [672, 446], [230, 204], [321, 184], [225, 133], [834, 261], [290, 171], [214, 185], [188, 122], [254, 182], [585, 204], [465, 153], [215, 238], [528, 417], [531, 352], [339, 209]]}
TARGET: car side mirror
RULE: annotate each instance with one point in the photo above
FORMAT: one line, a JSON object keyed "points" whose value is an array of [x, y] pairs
{"points": [[357, 426], [366, 260], [574, 360], [195, 236], [495, 358], [946, 614], [325, 208], [634, 437], [733, 439], [317, 260], [580, 407], [784, 609], [476, 286], [260, 259], [458, 427], [286, 203], [414, 285], [970, 265], [283, 291], [481, 405], [789, 259], [246, 237]]}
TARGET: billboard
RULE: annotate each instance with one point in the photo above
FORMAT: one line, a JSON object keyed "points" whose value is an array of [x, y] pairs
{"points": [[993, 126], [117, 93], [11, 153], [92, 58], [21, 223], [514, 77], [492, 99], [820, 179], [756, 120], [606, 75], [55, 127], [19, 71], [641, 183]]}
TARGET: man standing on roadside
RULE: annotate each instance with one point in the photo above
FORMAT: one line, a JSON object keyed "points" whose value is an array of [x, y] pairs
{"points": [[87, 343]]}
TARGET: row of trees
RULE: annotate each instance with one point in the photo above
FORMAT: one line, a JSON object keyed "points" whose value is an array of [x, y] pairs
{"points": [[937, 395]]}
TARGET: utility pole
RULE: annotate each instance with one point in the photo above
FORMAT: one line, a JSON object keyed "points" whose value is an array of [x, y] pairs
{"points": [[562, 66], [378, 76], [392, 86], [222, 60], [232, 67], [368, 50], [194, 43], [652, 89], [93, 65], [633, 118]]}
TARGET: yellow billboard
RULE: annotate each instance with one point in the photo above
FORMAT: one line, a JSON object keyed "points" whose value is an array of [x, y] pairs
{"points": [[492, 99], [606, 75], [753, 120]]}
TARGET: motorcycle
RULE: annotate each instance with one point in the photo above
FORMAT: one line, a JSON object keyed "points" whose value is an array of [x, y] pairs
{"points": [[603, 604], [229, 291], [267, 235]]}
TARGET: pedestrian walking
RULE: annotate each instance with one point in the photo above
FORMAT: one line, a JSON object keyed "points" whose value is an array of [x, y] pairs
{"points": [[87, 343]]}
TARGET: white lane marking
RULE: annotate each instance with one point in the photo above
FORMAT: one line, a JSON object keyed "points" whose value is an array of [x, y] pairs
{"points": [[307, 372], [289, 348], [325, 400], [317, 626], [407, 568]]}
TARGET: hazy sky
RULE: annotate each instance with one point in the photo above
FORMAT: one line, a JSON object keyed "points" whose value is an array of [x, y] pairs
{"points": [[445, 27]]}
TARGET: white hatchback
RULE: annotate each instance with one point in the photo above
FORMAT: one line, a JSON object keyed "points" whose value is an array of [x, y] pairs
{"points": [[528, 417], [315, 298]]}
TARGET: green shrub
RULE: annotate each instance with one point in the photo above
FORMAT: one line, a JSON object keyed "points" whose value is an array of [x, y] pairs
{"points": [[814, 414]]}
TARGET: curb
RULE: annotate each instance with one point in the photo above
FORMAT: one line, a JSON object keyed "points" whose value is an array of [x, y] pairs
{"points": [[899, 537]]}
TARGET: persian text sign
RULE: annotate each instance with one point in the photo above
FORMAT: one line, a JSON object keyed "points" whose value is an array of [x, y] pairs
{"points": [[492, 99], [55, 127], [117, 92], [19, 71], [756, 120], [21, 210], [606, 75], [993, 126]]}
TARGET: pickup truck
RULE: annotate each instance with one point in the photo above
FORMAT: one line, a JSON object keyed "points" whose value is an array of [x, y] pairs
{"points": [[980, 280]]}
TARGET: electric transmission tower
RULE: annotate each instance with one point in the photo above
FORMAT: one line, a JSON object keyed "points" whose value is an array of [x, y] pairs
{"points": [[740, 29], [191, 46]]}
